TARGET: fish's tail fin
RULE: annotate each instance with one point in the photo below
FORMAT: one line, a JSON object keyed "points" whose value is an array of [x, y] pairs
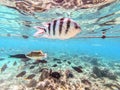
{"points": [[45, 55], [40, 31]]}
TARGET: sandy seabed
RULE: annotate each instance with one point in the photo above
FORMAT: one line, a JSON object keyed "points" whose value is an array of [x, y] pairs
{"points": [[60, 72]]}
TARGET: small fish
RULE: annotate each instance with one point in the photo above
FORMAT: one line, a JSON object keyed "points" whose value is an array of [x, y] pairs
{"points": [[59, 62], [1, 59], [36, 62], [25, 59], [65, 60], [4, 67], [21, 74], [69, 62], [36, 55], [63, 28], [31, 76], [56, 59], [25, 36], [31, 67], [40, 61], [18, 56], [55, 65], [85, 81], [78, 69], [43, 61], [15, 63]]}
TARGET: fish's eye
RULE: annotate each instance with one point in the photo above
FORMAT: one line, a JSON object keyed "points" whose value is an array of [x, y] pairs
{"points": [[58, 1]]}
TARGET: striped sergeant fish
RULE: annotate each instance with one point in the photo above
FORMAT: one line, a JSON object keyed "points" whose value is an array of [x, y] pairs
{"points": [[63, 28]]}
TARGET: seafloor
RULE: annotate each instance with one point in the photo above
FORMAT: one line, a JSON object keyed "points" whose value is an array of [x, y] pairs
{"points": [[60, 72]]}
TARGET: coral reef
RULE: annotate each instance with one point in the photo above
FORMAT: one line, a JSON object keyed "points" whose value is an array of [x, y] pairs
{"points": [[104, 73], [45, 74], [80, 74], [32, 83]]}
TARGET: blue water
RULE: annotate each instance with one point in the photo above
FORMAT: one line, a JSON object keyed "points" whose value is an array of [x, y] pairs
{"points": [[92, 21], [108, 48]]}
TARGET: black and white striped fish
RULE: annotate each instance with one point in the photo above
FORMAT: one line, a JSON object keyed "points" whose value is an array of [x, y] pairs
{"points": [[63, 28]]}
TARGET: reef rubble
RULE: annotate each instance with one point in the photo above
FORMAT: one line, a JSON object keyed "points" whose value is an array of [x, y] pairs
{"points": [[80, 74]]}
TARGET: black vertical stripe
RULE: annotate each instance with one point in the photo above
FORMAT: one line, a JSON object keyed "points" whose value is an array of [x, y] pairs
{"points": [[49, 25], [76, 26], [68, 26], [60, 27], [54, 25], [45, 30]]}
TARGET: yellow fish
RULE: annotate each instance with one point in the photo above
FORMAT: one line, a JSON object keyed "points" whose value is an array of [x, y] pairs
{"points": [[36, 55]]}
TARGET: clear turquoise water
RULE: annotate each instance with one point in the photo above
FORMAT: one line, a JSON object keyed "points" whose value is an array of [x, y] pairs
{"points": [[13, 22], [108, 48]]}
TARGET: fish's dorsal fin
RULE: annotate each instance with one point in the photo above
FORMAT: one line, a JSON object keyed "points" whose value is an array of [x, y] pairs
{"points": [[45, 24], [38, 27]]}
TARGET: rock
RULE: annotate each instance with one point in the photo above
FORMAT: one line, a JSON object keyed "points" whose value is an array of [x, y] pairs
{"points": [[58, 1], [86, 88], [68, 74], [86, 82], [55, 75], [104, 73], [94, 61], [42, 85], [16, 87], [113, 86], [112, 76], [32, 83], [45, 74]]}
